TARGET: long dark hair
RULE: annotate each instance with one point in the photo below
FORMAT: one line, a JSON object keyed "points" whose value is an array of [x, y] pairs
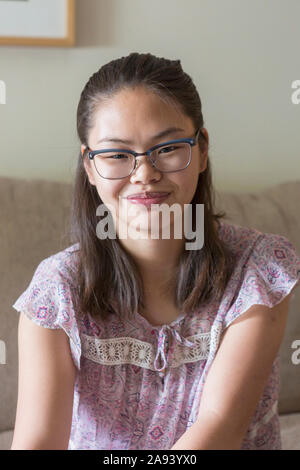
{"points": [[107, 278]]}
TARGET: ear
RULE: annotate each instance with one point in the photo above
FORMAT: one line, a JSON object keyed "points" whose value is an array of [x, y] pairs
{"points": [[82, 149], [87, 165], [204, 152]]}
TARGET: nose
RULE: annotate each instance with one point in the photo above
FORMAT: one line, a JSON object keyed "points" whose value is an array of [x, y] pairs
{"points": [[144, 171]]}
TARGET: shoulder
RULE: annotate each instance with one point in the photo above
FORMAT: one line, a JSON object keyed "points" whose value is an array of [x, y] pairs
{"points": [[239, 239], [60, 265], [249, 243], [48, 298], [65, 255], [267, 268]]}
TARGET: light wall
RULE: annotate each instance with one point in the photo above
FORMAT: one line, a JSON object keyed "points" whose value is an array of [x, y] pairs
{"points": [[243, 56]]}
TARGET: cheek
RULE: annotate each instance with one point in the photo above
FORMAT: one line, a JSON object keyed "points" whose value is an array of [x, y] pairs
{"points": [[187, 186], [108, 190], [109, 194], [189, 193]]}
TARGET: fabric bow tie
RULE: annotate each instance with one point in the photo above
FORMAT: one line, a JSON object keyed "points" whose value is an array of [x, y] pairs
{"points": [[165, 334]]}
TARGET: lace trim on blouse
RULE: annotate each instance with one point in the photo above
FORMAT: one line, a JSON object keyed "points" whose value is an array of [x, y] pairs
{"points": [[127, 350]]}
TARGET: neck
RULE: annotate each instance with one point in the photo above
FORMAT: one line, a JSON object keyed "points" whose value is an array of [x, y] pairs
{"points": [[157, 260]]}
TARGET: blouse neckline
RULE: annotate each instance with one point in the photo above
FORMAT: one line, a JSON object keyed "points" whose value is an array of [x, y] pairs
{"points": [[175, 322]]}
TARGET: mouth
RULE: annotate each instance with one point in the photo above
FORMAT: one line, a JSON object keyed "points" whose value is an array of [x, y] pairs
{"points": [[148, 198]]}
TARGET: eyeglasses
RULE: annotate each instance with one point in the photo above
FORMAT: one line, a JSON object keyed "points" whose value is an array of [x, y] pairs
{"points": [[168, 157]]}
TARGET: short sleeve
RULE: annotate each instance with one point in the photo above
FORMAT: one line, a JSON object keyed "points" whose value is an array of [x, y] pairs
{"points": [[270, 273], [47, 301]]}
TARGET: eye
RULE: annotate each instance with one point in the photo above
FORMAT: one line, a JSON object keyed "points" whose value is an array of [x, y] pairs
{"points": [[169, 148], [117, 156]]}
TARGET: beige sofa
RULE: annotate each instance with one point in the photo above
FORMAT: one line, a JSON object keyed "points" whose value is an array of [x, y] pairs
{"points": [[34, 223]]}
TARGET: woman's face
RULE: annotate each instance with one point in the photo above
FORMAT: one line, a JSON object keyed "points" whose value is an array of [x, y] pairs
{"points": [[137, 115]]}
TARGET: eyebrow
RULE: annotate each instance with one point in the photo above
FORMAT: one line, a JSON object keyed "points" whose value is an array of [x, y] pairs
{"points": [[164, 133]]}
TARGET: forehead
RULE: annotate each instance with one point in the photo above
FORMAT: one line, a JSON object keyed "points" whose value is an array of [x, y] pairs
{"points": [[137, 111]]}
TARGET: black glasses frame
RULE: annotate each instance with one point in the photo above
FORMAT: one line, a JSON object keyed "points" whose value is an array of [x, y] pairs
{"points": [[192, 141]]}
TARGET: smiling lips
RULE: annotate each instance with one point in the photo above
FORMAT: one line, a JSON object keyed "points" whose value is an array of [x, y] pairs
{"points": [[148, 195], [148, 198]]}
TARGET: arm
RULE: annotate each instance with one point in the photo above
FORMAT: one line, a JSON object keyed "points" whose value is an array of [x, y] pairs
{"points": [[237, 378], [45, 388]]}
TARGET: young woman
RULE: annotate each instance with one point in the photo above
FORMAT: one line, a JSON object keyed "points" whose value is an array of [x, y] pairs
{"points": [[141, 343]]}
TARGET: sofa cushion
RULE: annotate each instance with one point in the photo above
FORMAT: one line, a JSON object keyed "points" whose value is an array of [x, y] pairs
{"points": [[34, 218], [290, 431], [6, 438]]}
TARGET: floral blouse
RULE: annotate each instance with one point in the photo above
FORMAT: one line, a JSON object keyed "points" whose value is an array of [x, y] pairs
{"points": [[139, 386]]}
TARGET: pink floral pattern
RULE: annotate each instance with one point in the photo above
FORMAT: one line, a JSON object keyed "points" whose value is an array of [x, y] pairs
{"points": [[149, 402]]}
